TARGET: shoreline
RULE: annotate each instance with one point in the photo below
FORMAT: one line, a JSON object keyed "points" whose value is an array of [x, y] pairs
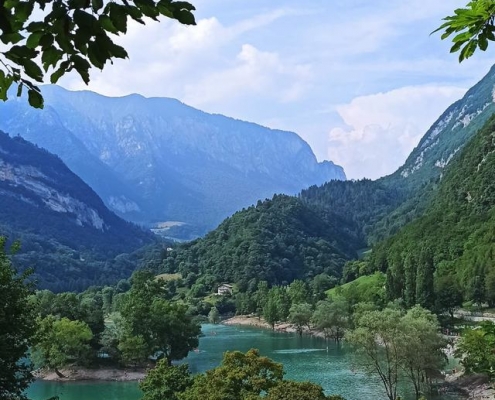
{"points": [[78, 374], [255, 322], [475, 387]]}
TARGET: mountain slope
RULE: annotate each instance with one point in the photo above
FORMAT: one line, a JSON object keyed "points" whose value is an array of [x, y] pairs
{"points": [[174, 162], [457, 229], [381, 208], [63, 225]]}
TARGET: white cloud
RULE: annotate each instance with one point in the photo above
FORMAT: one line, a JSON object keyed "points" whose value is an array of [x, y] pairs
{"points": [[382, 129], [255, 72]]}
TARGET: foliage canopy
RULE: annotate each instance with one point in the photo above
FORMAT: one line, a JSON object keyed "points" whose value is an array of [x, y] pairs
{"points": [[71, 35], [473, 26]]}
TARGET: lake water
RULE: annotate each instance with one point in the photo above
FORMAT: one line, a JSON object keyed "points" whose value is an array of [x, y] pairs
{"points": [[305, 359]]}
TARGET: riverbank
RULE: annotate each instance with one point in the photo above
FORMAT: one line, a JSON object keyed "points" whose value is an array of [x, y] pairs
{"points": [[86, 374], [254, 321], [475, 387]]}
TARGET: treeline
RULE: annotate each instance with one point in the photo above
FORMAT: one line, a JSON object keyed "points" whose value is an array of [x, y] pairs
{"points": [[452, 246]]}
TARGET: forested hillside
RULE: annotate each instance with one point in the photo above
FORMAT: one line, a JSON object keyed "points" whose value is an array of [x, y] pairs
{"points": [[277, 241], [455, 238], [65, 230]]}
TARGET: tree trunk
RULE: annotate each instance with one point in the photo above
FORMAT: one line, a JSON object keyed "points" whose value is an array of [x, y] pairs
{"points": [[59, 374]]}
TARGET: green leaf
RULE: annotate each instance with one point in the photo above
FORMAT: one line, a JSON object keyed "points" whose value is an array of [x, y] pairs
{"points": [[118, 15], [185, 17], [107, 24], [50, 57], [85, 21], [35, 98], [12, 38], [82, 66], [456, 47], [96, 57], [46, 41], [118, 51], [5, 84], [19, 90], [97, 5], [34, 39], [482, 42], [33, 70], [59, 72]]}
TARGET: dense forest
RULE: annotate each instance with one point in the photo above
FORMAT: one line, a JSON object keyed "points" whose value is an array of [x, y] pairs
{"points": [[454, 239], [277, 241]]}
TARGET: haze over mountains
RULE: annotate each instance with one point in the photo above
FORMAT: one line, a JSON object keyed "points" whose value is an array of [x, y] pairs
{"points": [[65, 230], [155, 160]]}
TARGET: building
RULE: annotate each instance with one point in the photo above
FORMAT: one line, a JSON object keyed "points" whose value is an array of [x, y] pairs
{"points": [[224, 288]]}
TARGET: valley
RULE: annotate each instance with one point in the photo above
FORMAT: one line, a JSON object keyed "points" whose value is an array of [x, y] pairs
{"points": [[151, 250]]}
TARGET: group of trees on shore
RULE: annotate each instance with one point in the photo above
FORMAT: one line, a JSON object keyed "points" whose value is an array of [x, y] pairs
{"points": [[81, 328]]}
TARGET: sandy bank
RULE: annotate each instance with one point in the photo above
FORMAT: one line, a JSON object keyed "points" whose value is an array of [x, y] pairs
{"points": [[84, 374], [251, 320]]}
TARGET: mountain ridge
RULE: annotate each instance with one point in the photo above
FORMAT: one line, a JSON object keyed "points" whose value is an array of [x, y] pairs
{"points": [[174, 162]]}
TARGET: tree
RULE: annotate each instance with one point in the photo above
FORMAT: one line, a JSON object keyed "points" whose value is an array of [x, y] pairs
{"points": [[240, 376], [69, 35], [133, 350], [270, 311], [166, 327], [448, 297], [60, 342], [214, 316], [473, 26], [300, 315], [298, 292], [425, 293], [475, 348], [423, 357], [17, 326], [490, 287], [165, 381], [393, 343], [332, 318], [379, 338]]}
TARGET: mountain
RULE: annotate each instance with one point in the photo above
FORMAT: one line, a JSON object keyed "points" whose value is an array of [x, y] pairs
{"points": [[155, 160], [456, 233], [66, 231], [453, 130]]}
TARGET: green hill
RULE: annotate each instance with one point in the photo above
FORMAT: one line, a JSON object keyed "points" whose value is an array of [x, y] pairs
{"points": [[277, 240]]}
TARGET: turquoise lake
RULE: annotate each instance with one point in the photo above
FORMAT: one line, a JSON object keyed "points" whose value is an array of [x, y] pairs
{"points": [[305, 359]]}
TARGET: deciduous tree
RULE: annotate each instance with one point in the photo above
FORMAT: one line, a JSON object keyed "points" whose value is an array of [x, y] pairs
{"points": [[17, 326]]}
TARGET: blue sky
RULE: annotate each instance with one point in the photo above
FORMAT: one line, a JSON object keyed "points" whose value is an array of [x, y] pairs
{"points": [[360, 81]]}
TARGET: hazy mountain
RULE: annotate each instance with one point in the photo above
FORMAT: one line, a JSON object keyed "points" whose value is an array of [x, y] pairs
{"points": [[156, 159], [63, 225]]}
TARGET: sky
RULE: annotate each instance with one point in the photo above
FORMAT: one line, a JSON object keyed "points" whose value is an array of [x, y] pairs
{"points": [[360, 80]]}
